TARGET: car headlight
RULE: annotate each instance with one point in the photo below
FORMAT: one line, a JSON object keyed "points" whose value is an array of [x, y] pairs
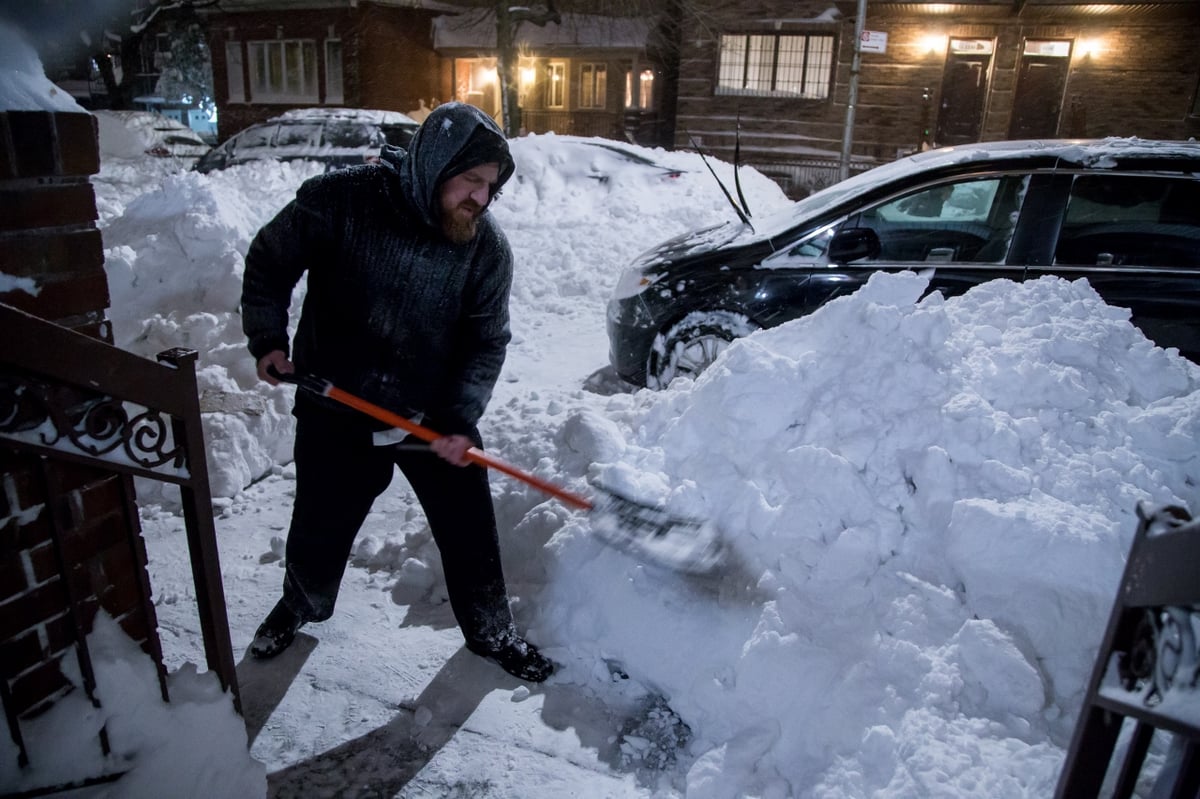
{"points": [[633, 282]]}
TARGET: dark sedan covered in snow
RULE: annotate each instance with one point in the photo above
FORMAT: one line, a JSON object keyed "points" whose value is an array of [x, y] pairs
{"points": [[1123, 213]]}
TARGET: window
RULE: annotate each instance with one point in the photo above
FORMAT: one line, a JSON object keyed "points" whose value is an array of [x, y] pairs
{"points": [[1131, 220], [644, 96], [593, 86], [767, 65], [283, 70], [235, 72], [333, 71], [556, 85], [969, 221]]}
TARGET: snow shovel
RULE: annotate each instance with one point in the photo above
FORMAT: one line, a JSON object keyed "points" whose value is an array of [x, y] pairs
{"points": [[687, 545]]}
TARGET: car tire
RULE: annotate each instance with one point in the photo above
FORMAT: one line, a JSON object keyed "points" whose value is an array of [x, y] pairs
{"points": [[690, 346]]}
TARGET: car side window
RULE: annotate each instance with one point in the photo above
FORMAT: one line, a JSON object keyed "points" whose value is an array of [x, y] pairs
{"points": [[1131, 220], [969, 221]]}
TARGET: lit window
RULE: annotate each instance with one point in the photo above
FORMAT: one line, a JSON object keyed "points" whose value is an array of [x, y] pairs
{"points": [[774, 65], [593, 86], [556, 89]]}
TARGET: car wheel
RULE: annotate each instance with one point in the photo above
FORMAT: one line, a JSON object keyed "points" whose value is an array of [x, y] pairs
{"points": [[689, 346]]}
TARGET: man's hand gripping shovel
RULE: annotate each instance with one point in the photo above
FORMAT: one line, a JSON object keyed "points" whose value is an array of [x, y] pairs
{"points": [[686, 545]]}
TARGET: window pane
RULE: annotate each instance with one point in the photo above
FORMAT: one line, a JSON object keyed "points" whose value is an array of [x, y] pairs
{"points": [[333, 71], [234, 72], [308, 83], [292, 82], [1131, 220], [760, 62], [819, 67], [966, 222], [274, 67], [732, 62], [586, 86], [647, 88], [557, 91], [258, 65], [601, 86], [789, 75]]}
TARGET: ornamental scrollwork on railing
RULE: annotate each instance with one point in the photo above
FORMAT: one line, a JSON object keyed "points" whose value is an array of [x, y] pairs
{"points": [[103, 427], [1162, 657]]}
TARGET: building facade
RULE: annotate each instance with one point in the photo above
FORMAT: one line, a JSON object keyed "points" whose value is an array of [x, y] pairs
{"points": [[269, 57], [777, 75]]}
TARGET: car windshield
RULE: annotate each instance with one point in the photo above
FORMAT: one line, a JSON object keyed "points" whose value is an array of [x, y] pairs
{"points": [[257, 136]]}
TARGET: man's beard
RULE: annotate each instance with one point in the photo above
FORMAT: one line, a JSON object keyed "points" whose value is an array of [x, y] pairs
{"points": [[461, 224]]}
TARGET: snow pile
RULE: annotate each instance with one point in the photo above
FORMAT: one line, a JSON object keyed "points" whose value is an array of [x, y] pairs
{"points": [[23, 83], [929, 504], [929, 501], [140, 727], [174, 250]]}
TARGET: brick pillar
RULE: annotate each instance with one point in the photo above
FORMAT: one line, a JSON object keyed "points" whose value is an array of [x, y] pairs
{"points": [[70, 540], [51, 257]]}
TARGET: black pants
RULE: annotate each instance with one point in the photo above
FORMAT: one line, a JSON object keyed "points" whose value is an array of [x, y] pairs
{"points": [[339, 473]]}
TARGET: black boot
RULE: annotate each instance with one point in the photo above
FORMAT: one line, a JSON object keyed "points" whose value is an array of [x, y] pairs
{"points": [[276, 633], [517, 656]]}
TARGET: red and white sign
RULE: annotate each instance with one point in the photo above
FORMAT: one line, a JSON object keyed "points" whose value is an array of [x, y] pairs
{"points": [[874, 42]]}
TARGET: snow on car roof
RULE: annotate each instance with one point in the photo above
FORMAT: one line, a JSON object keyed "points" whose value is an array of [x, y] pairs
{"points": [[377, 116], [1094, 153]]}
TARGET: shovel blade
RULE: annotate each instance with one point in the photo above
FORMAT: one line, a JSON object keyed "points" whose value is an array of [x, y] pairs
{"points": [[691, 546]]}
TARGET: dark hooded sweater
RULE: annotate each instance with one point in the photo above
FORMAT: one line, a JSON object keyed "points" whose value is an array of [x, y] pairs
{"points": [[394, 311]]}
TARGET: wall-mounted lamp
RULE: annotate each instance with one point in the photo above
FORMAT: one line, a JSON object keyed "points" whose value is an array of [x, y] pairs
{"points": [[487, 75], [1087, 48], [932, 44]]}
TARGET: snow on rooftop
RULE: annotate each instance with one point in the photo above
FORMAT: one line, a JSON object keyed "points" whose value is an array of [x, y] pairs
{"points": [[23, 82]]}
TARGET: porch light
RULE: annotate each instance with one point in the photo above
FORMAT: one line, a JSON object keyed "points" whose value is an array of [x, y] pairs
{"points": [[487, 75], [528, 75], [1087, 48], [932, 43]]}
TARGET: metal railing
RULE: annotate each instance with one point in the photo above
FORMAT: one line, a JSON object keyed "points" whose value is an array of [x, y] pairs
{"points": [[67, 398]]}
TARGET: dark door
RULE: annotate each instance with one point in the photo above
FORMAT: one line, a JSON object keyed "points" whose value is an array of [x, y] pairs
{"points": [[964, 90], [1041, 83]]}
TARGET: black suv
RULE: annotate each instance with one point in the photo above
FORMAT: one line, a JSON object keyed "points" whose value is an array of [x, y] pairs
{"points": [[1124, 213], [336, 137]]}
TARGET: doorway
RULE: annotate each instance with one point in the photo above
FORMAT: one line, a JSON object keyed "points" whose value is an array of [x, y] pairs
{"points": [[1041, 86], [964, 91]]}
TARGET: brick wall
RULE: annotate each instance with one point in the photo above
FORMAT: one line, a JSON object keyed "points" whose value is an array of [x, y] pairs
{"points": [[47, 227], [70, 540], [65, 552], [1141, 81], [387, 57]]}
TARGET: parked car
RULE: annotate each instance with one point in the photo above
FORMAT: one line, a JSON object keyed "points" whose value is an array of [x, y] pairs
{"points": [[136, 134], [336, 137], [589, 159], [1123, 213]]}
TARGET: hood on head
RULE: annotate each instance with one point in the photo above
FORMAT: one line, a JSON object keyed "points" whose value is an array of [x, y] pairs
{"points": [[454, 137]]}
